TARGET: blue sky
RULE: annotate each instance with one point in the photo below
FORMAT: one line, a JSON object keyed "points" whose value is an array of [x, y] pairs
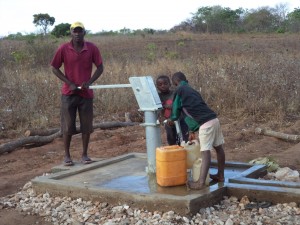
{"points": [[17, 15]]}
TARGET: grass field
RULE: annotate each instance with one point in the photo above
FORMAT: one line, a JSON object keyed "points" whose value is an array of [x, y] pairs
{"points": [[249, 75]]}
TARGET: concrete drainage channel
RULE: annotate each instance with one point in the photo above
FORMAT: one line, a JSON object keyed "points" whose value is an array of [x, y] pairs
{"points": [[123, 179]]}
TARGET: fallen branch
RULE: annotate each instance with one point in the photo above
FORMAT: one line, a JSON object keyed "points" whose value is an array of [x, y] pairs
{"points": [[287, 137], [104, 125], [107, 125], [10, 146], [41, 132], [40, 140]]}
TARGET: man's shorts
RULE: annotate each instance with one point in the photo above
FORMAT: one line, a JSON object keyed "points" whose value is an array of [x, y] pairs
{"points": [[211, 136], [70, 104]]}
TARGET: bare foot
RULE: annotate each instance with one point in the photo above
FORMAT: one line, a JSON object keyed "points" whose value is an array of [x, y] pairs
{"points": [[216, 177], [195, 185]]}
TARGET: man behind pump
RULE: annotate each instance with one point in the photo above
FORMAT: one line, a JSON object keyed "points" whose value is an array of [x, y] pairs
{"points": [[78, 57]]}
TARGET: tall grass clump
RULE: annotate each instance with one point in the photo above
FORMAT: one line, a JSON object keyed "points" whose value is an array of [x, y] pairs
{"points": [[238, 75]]}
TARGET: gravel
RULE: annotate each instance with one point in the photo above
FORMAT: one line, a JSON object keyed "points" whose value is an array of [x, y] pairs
{"points": [[67, 211]]}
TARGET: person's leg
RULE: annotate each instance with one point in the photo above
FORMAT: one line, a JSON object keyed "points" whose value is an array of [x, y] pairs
{"points": [[206, 158], [85, 110], [171, 134], [206, 137], [221, 164], [184, 130], [85, 144], [68, 126], [67, 141], [218, 146]]}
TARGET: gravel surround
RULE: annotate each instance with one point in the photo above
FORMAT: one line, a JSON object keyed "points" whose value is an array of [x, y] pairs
{"points": [[67, 211]]}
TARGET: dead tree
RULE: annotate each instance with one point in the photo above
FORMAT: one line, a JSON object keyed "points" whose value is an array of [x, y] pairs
{"points": [[287, 137], [41, 137]]}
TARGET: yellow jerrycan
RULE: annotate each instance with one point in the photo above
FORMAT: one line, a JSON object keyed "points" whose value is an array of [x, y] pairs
{"points": [[171, 165]]}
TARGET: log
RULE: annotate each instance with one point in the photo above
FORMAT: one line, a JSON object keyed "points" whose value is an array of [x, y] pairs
{"points": [[10, 146], [108, 125], [271, 133], [41, 132], [40, 140], [104, 125]]}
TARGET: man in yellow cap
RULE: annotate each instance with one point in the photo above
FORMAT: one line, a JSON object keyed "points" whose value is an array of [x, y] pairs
{"points": [[78, 57], [77, 24]]}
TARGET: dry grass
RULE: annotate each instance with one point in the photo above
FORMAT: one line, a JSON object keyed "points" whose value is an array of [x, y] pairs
{"points": [[239, 75]]}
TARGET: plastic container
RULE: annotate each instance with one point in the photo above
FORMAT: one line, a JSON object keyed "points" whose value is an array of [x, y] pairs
{"points": [[197, 170], [171, 165], [193, 152]]}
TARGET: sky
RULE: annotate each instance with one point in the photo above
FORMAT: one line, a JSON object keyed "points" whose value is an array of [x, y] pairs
{"points": [[96, 15]]}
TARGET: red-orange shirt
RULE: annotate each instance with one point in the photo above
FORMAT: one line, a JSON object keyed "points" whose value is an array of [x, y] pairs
{"points": [[78, 66], [166, 99]]}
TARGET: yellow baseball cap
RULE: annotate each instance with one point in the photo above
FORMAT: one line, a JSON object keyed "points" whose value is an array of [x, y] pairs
{"points": [[77, 24]]}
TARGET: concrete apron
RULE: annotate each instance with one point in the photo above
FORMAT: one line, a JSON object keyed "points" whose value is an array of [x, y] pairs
{"points": [[123, 180]]}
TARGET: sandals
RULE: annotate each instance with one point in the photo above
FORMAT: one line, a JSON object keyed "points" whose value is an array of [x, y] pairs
{"points": [[68, 163], [86, 160], [215, 177]]}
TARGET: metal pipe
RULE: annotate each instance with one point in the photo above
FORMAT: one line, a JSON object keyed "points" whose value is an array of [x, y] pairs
{"points": [[108, 86], [149, 102], [153, 138]]}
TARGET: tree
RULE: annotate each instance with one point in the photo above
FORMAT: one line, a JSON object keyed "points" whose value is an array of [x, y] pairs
{"points": [[294, 20], [149, 30], [281, 11], [187, 25], [261, 20], [15, 36], [43, 20], [125, 31], [61, 30], [217, 19], [201, 18]]}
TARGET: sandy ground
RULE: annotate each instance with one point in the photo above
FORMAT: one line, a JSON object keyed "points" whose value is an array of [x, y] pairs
{"points": [[242, 144]]}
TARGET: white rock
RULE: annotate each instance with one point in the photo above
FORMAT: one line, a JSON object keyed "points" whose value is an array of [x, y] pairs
{"points": [[229, 222], [46, 195], [287, 174], [186, 220], [27, 185]]}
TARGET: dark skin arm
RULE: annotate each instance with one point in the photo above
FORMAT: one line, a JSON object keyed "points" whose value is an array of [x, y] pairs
{"points": [[192, 136], [95, 76], [85, 85], [62, 77], [170, 122]]}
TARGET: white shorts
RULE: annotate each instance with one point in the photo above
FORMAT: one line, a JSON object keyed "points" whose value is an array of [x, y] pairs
{"points": [[211, 136]]}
